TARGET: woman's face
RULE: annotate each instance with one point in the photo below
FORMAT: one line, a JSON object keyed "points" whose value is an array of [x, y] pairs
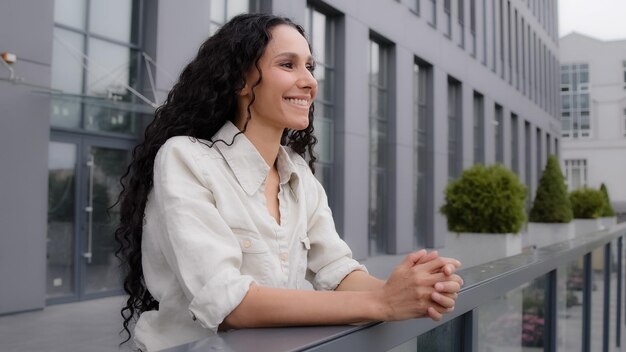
{"points": [[287, 88]]}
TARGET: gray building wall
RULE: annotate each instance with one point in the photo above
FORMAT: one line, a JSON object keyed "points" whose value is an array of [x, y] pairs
{"points": [[25, 30], [174, 30]]}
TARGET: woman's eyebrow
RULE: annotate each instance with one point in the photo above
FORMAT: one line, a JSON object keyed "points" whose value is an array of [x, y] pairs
{"points": [[290, 55]]}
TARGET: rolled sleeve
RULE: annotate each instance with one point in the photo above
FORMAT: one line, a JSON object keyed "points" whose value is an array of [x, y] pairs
{"points": [[220, 296], [330, 258], [199, 247]]}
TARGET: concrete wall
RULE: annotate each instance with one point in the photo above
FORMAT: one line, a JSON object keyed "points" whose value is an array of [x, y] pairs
{"points": [[25, 30]]}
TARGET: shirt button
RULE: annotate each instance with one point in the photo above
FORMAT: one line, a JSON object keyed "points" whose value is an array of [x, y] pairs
{"points": [[247, 244], [284, 257]]}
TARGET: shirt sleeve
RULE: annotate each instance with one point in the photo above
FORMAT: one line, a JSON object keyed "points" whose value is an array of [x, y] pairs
{"points": [[198, 245], [330, 259]]}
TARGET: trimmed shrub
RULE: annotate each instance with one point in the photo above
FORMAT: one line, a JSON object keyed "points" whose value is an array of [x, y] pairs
{"points": [[587, 203], [551, 203], [485, 200], [608, 208]]}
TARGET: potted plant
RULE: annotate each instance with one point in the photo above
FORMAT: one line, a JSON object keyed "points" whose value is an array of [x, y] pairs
{"points": [[587, 207], [550, 218], [608, 218], [485, 210]]}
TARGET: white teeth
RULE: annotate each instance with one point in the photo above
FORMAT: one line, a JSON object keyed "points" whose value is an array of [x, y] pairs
{"points": [[301, 102]]}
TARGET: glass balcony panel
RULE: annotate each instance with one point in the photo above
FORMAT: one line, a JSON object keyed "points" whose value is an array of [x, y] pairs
{"points": [[515, 321], [569, 306]]}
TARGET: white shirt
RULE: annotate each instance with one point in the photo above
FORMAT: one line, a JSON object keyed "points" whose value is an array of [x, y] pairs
{"points": [[208, 235]]}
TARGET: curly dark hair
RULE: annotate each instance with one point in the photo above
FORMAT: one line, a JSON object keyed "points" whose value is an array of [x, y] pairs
{"points": [[199, 104]]}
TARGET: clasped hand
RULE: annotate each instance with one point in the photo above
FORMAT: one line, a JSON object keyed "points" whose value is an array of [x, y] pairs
{"points": [[424, 284]]}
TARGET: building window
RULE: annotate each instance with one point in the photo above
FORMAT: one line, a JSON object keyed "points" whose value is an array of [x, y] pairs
{"points": [[422, 112], [461, 19], [510, 40], [415, 6], [523, 57], [96, 63], [575, 105], [479, 128], [501, 49], [624, 67], [321, 31], [433, 14], [576, 173], [222, 11], [528, 162], [447, 10], [379, 56], [538, 158], [454, 128], [624, 119], [473, 25], [499, 134], [514, 144]]}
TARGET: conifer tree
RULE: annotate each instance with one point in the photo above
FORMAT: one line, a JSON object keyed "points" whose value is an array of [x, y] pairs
{"points": [[608, 209], [552, 203]]}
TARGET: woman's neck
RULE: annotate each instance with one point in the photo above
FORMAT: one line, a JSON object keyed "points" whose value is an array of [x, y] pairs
{"points": [[266, 139]]}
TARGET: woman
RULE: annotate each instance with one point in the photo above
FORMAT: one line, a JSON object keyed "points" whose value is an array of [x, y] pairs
{"points": [[222, 220]]}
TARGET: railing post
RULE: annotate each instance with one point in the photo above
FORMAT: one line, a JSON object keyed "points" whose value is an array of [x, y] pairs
{"points": [[618, 322], [551, 312], [587, 285], [606, 319], [470, 331]]}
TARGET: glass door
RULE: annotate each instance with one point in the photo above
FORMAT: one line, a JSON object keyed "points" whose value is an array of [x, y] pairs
{"points": [[84, 174]]}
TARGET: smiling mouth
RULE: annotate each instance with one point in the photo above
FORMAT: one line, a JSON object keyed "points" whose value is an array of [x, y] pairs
{"points": [[299, 102]]}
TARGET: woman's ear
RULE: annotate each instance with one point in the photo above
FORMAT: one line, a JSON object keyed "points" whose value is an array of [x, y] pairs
{"points": [[244, 91]]}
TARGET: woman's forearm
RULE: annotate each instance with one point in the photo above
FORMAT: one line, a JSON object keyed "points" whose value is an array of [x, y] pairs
{"points": [[267, 307]]}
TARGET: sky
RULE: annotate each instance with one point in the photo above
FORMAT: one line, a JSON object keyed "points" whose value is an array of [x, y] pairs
{"points": [[600, 19]]}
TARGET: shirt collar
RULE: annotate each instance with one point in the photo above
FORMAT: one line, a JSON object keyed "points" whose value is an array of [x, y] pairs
{"points": [[248, 165]]}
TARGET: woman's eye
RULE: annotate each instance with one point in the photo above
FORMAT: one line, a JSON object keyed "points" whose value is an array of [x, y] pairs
{"points": [[287, 64], [310, 67]]}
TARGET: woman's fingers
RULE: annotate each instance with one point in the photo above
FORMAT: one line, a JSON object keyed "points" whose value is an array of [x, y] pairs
{"points": [[434, 314], [439, 263], [442, 300], [447, 287]]}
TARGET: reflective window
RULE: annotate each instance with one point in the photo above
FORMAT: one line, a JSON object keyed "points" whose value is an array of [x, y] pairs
{"points": [[222, 11], [320, 29], [111, 69], [479, 127], [379, 118], [499, 134], [115, 19], [575, 106], [454, 129], [70, 13], [446, 337], [421, 110], [60, 235], [95, 67]]}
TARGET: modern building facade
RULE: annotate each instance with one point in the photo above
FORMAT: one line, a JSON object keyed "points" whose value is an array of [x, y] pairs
{"points": [[411, 93], [593, 114]]}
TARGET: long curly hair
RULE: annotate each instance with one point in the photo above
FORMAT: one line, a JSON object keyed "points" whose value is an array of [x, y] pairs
{"points": [[199, 104]]}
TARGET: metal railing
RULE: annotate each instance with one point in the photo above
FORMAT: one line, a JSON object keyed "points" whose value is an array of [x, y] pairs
{"points": [[567, 296]]}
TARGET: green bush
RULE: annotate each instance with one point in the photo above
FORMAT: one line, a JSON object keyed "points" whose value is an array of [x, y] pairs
{"points": [[551, 203], [587, 203], [608, 208], [485, 200]]}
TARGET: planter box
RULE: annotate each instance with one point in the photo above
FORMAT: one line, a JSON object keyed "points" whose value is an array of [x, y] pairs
{"points": [[478, 248], [540, 234], [587, 226], [608, 222]]}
